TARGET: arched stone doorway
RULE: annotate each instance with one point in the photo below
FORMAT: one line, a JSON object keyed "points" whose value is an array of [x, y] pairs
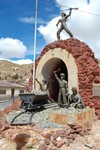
{"points": [[48, 69], [82, 67], [52, 60]]}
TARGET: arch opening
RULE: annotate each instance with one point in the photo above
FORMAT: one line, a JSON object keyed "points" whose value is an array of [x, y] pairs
{"points": [[49, 67]]}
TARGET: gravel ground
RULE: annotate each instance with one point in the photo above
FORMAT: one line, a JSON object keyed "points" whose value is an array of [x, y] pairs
{"points": [[41, 118]]}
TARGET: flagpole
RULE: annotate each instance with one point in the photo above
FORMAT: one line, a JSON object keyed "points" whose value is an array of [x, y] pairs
{"points": [[34, 55]]}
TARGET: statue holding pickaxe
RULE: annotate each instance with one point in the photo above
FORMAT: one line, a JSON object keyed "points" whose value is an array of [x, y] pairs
{"points": [[63, 87]]}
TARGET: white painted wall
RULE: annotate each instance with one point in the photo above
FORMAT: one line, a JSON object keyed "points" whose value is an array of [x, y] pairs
{"points": [[8, 92]]}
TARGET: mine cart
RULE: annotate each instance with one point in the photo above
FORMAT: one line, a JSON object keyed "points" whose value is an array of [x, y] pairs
{"points": [[33, 100]]}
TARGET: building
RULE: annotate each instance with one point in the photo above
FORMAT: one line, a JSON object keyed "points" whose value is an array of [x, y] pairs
{"points": [[10, 89]]}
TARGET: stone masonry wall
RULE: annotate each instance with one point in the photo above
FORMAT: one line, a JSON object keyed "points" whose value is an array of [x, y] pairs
{"points": [[88, 69]]}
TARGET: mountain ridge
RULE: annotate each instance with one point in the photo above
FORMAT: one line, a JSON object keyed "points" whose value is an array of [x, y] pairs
{"points": [[8, 69]]}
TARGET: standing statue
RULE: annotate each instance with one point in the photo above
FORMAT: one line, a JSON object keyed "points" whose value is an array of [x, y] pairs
{"points": [[75, 99], [63, 87], [43, 85], [63, 24], [44, 88]]}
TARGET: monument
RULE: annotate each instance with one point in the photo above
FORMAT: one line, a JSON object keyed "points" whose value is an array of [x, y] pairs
{"points": [[77, 61]]}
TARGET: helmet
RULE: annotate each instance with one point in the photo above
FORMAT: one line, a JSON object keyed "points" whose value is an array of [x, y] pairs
{"points": [[63, 14], [74, 89], [62, 74]]}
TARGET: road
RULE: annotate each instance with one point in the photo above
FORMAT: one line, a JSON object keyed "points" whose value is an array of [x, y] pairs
{"points": [[4, 104]]}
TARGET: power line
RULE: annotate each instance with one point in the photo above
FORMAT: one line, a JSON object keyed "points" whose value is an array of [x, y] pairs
{"points": [[89, 13], [80, 10]]}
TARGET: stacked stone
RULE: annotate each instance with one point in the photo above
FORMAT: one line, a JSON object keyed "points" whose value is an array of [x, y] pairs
{"points": [[51, 139], [3, 126], [58, 139], [88, 69]]}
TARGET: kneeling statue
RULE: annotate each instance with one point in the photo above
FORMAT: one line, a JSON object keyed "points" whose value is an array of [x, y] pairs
{"points": [[75, 99]]}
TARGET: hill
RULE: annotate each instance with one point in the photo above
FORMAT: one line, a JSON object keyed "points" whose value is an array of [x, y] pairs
{"points": [[9, 70]]}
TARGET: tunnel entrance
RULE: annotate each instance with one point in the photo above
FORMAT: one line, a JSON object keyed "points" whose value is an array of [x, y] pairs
{"points": [[49, 67]]}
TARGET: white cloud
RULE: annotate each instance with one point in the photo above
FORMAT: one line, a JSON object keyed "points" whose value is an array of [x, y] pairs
{"points": [[10, 48], [49, 31], [23, 61], [31, 20], [84, 26], [20, 62]]}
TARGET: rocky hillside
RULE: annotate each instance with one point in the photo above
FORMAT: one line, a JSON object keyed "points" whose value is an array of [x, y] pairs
{"points": [[11, 71]]}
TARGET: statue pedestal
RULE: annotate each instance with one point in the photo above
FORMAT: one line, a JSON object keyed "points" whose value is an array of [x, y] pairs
{"points": [[63, 117]]}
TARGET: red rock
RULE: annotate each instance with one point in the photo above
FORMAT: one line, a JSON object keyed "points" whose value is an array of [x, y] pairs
{"points": [[55, 136], [61, 134], [69, 136], [46, 141], [73, 136], [97, 79], [91, 105], [78, 130], [5, 127], [50, 148], [64, 147], [76, 127], [97, 106], [60, 143], [54, 148], [42, 147], [82, 133], [98, 116], [70, 141], [21, 140], [72, 131], [72, 125], [97, 112], [54, 142], [47, 135]]}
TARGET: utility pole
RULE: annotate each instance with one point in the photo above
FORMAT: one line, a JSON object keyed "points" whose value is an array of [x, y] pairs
{"points": [[88, 1], [34, 56]]}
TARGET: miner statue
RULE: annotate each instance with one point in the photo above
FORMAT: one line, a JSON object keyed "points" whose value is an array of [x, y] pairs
{"points": [[75, 99], [44, 88], [63, 25], [63, 87]]}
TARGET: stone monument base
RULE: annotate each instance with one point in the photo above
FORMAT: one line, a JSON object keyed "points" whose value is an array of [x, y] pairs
{"points": [[64, 116]]}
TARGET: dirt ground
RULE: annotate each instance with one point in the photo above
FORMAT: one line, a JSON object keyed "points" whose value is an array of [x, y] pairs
{"points": [[33, 138], [87, 142]]}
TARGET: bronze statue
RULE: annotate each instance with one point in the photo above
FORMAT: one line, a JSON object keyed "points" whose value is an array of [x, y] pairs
{"points": [[75, 99], [44, 88], [63, 24], [63, 85], [43, 85]]}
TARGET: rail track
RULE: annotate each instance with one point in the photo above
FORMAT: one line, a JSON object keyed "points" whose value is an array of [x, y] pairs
{"points": [[35, 109]]}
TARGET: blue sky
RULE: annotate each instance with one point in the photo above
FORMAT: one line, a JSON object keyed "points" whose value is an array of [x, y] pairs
{"points": [[17, 26], [12, 22]]}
